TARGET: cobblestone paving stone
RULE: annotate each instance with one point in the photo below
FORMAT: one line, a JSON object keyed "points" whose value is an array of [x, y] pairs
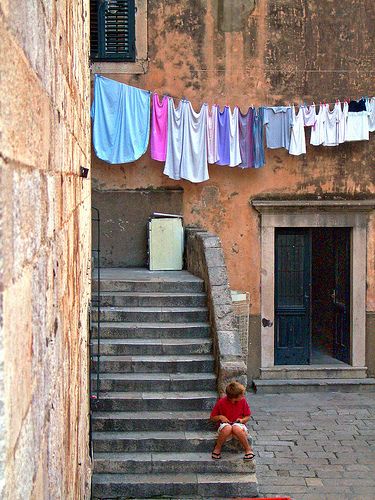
{"points": [[315, 445]]}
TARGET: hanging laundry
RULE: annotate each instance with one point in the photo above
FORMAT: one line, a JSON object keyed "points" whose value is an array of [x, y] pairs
{"points": [[357, 126], [172, 167], [278, 121], [212, 135], [223, 134], [187, 143], [297, 138], [121, 121], [309, 115], [331, 131], [234, 143], [343, 121], [370, 108], [228, 135], [246, 124], [159, 127], [357, 106], [194, 166], [318, 130], [258, 118]]}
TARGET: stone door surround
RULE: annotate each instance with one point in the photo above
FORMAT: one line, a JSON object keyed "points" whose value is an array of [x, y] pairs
{"points": [[316, 213]]}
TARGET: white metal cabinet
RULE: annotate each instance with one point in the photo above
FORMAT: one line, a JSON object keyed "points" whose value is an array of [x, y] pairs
{"points": [[166, 243]]}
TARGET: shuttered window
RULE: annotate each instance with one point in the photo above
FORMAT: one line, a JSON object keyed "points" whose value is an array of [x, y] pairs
{"points": [[112, 25]]}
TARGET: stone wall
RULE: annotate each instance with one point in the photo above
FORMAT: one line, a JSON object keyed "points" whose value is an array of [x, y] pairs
{"points": [[44, 249], [204, 258]]}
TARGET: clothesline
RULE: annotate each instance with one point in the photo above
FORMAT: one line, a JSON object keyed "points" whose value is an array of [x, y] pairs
{"points": [[187, 141], [293, 69], [304, 105]]}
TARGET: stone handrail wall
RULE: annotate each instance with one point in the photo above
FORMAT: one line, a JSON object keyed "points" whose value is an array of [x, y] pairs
{"points": [[205, 259]]}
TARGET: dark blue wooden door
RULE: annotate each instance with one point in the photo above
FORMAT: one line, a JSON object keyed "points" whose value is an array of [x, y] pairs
{"points": [[292, 296], [341, 295]]}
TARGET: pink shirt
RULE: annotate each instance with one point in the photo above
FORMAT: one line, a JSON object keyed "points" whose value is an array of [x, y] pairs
{"points": [[159, 128]]}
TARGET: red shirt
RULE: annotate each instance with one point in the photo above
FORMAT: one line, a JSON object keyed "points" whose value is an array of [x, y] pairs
{"points": [[230, 409]]}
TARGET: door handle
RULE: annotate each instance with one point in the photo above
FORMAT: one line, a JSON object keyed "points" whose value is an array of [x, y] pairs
{"points": [[333, 295]]}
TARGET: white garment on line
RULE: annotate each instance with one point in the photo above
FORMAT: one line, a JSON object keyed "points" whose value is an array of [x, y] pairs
{"points": [[357, 126], [297, 139], [172, 167], [331, 136], [187, 143], [370, 106], [194, 166], [309, 115], [234, 139], [343, 121], [317, 131], [212, 138]]}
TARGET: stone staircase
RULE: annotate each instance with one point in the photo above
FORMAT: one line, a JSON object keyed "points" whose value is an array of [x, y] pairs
{"points": [[151, 433]]}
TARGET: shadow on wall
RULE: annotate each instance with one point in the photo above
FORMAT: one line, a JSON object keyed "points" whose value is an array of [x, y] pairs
{"points": [[124, 216]]}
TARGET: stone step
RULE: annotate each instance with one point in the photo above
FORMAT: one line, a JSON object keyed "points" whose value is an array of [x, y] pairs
{"points": [[146, 420], [165, 284], [314, 385], [215, 485], [155, 364], [155, 347], [153, 299], [156, 401], [158, 441], [170, 462], [296, 372], [160, 330], [152, 314], [155, 382]]}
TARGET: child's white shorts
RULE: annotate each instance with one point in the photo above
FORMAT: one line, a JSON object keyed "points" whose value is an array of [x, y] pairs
{"points": [[242, 426]]}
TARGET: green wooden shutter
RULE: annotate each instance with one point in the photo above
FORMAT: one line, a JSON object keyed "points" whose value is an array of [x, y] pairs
{"points": [[112, 30]]}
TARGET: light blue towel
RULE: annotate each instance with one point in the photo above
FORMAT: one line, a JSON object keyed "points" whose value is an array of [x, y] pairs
{"points": [[121, 121]]}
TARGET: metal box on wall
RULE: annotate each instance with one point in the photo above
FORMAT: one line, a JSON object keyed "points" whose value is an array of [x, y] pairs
{"points": [[166, 242]]}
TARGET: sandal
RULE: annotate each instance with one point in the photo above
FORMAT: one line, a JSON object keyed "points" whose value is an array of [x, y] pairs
{"points": [[249, 456], [216, 456]]}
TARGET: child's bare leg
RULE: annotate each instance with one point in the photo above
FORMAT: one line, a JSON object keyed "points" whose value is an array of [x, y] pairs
{"points": [[242, 438], [222, 437]]}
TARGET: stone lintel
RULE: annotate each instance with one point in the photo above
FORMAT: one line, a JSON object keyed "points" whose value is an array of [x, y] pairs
{"points": [[272, 206]]}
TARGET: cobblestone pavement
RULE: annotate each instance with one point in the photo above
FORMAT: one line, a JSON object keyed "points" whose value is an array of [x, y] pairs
{"points": [[315, 445]]}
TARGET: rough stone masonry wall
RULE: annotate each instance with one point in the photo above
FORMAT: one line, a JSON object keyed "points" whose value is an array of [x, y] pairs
{"points": [[259, 52], [44, 249], [204, 258]]}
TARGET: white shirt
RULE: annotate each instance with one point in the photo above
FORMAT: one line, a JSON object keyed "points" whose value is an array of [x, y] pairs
{"points": [[187, 143], [357, 126], [331, 125], [234, 142], [297, 139], [317, 131], [370, 106], [343, 122], [309, 115], [194, 166], [212, 139], [172, 167]]}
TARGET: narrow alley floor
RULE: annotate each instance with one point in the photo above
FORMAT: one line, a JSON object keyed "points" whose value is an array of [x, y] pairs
{"points": [[315, 445]]}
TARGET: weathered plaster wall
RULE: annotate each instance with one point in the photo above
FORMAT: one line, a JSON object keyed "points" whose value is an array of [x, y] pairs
{"points": [[45, 237], [259, 52]]}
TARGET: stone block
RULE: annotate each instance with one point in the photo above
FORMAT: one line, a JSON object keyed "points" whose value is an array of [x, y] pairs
{"points": [[217, 276], [229, 344]]}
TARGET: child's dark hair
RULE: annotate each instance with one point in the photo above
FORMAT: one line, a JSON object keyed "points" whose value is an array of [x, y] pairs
{"points": [[235, 389]]}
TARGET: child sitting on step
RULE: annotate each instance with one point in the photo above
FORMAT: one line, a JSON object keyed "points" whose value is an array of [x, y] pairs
{"points": [[231, 414]]}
